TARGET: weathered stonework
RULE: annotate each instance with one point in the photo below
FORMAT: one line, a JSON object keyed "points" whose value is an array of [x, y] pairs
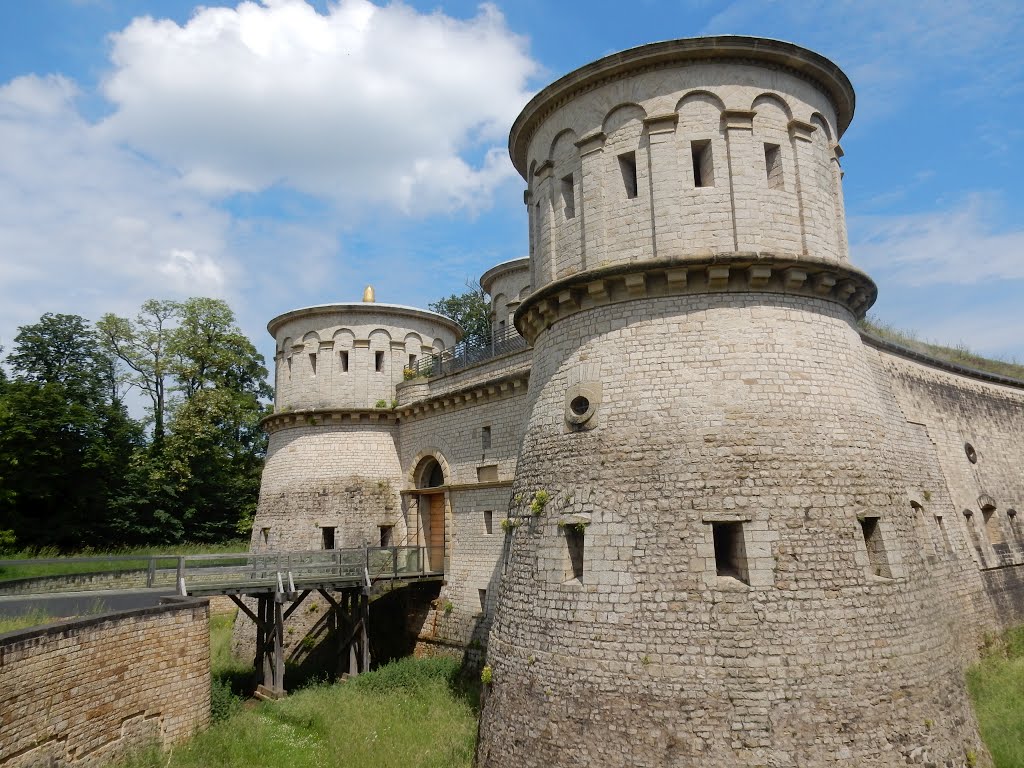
{"points": [[702, 520], [85, 692]]}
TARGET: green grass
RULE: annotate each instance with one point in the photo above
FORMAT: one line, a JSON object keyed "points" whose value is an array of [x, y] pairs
{"points": [[959, 354], [411, 713], [61, 569], [996, 684], [30, 619]]}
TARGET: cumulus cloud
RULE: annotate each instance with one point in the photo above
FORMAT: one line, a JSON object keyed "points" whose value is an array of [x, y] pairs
{"points": [[363, 104], [962, 244], [85, 225]]}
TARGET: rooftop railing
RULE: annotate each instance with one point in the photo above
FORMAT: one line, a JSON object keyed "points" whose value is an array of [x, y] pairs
{"points": [[471, 351]]}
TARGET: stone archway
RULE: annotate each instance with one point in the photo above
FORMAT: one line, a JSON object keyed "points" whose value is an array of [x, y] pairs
{"points": [[429, 473]]}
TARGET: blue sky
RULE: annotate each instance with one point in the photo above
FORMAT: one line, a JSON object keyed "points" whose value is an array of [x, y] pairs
{"points": [[282, 153]]}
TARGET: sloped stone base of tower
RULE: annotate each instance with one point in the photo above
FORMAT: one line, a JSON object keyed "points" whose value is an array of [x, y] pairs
{"points": [[715, 563]]}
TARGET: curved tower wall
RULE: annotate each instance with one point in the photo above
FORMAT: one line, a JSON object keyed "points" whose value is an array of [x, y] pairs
{"points": [[507, 284], [721, 573], [350, 355], [332, 458]]}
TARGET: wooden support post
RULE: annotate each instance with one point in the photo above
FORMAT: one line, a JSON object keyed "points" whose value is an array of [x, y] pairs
{"points": [[261, 649], [364, 635], [278, 646], [353, 658]]}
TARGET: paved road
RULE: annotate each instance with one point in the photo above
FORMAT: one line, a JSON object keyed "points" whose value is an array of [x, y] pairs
{"points": [[63, 604]]}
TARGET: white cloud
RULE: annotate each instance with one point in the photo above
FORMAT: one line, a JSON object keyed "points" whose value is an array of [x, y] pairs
{"points": [[364, 104], [87, 226], [960, 245]]}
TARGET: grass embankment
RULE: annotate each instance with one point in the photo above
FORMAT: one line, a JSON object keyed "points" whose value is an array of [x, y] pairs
{"points": [[71, 567], [960, 355], [996, 684], [412, 713]]}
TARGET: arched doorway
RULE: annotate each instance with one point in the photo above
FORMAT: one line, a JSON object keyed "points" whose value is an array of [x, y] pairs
{"points": [[429, 474]]}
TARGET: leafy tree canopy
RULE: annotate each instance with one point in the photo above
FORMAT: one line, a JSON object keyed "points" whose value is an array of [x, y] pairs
{"points": [[471, 310]]}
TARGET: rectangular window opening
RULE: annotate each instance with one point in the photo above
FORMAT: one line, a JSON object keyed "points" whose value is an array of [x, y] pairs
{"points": [[994, 531], [312, 362], [945, 536], [482, 594], [487, 474], [773, 165], [627, 166], [730, 551], [568, 198], [488, 522], [343, 357], [574, 546], [877, 559], [703, 165], [412, 362], [378, 361], [265, 532], [327, 537], [485, 437], [387, 535]]}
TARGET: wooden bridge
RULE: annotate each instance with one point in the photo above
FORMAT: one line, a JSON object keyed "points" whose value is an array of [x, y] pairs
{"points": [[345, 578], [275, 578], [261, 584]]}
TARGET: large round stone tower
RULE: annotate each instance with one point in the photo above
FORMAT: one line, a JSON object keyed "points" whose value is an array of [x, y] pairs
{"points": [[332, 476], [705, 558]]}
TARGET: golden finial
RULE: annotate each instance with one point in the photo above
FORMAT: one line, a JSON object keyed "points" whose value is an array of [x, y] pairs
{"points": [[368, 295]]}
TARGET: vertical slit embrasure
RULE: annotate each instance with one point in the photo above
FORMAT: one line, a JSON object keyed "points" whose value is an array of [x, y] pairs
{"points": [[627, 166]]}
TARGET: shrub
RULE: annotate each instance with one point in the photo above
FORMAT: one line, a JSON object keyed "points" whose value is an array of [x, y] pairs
{"points": [[223, 701]]}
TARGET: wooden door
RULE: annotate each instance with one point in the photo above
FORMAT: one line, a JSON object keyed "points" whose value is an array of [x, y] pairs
{"points": [[435, 535]]}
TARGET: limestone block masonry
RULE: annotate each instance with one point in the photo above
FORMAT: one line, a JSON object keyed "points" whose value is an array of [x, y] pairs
{"points": [[85, 692], [720, 577], [690, 515]]}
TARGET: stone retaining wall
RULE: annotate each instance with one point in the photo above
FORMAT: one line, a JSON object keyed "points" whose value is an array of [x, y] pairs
{"points": [[83, 692]]}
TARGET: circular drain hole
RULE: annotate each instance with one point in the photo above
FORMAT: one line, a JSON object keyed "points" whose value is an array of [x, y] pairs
{"points": [[579, 405]]}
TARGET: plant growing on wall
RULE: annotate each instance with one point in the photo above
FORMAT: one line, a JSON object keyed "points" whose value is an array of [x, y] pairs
{"points": [[540, 500]]}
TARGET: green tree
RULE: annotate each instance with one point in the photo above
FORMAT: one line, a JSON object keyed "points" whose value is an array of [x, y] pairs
{"points": [[141, 346], [214, 451], [471, 310], [64, 439]]}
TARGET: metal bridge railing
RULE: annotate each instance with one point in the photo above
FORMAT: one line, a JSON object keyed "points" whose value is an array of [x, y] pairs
{"points": [[468, 352]]}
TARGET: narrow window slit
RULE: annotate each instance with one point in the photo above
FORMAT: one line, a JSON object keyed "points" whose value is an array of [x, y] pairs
{"points": [[568, 197], [378, 361], [627, 165], [730, 551], [877, 560], [773, 165], [574, 544], [703, 164], [312, 362], [327, 537], [482, 594], [485, 437], [488, 522]]}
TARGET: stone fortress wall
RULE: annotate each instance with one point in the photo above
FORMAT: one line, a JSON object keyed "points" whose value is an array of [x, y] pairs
{"points": [[85, 692], [727, 528]]}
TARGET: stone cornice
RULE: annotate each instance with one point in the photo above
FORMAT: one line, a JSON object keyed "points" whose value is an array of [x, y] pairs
{"points": [[319, 417], [776, 54], [721, 273], [472, 394]]}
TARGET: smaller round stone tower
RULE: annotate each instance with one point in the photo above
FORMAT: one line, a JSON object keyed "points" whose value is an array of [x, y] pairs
{"points": [[507, 284], [332, 476]]}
